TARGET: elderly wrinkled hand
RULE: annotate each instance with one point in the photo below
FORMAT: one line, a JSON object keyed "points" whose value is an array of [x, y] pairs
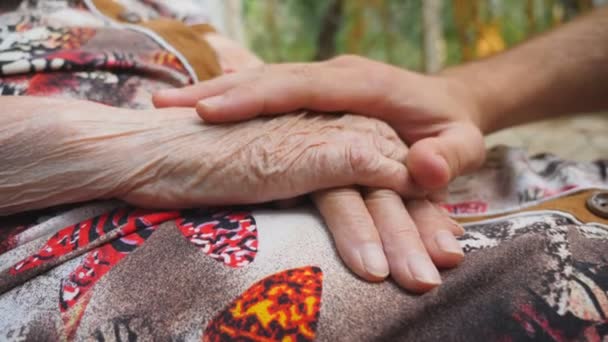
{"points": [[168, 158], [193, 164]]}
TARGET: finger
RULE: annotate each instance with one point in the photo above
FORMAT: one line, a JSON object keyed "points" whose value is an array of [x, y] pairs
{"points": [[289, 87], [409, 262], [289, 203], [353, 163], [283, 88], [438, 196], [434, 162], [354, 233], [437, 231], [376, 170], [188, 96]]}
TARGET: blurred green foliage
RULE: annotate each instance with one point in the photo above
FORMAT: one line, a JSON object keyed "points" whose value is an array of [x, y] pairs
{"points": [[386, 30]]}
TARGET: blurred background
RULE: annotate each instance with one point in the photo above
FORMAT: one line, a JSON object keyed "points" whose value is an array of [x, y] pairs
{"points": [[422, 35], [417, 34]]}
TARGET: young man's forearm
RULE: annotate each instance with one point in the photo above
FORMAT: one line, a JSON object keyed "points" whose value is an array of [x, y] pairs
{"points": [[561, 72]]}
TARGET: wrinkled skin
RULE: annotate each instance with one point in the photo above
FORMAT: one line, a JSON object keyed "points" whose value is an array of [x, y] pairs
{"points": [[263, 160], [168, 158]]}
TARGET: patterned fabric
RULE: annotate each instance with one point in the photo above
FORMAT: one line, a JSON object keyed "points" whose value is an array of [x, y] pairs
{"points": [[74, 292], [226, 236], [496, 189], [105, 271], [74, 54], [231, 238], [187, 11], [121, 222], [281, 307], [561, 276]]}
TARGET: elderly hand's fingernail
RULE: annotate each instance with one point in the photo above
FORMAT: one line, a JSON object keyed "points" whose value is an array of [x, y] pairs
{"points": [[460, 229], [211, 102], [422, 269], [458, 226], [447, 242], [374, 260]]}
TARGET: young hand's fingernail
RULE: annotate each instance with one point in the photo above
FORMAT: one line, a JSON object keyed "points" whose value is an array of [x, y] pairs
{"points": [[447, 242], [422, 269], [211, 102], [168, 92], [374, 260]]}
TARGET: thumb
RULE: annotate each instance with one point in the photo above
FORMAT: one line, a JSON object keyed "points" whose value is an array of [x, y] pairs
{"points": [[433, 162]]}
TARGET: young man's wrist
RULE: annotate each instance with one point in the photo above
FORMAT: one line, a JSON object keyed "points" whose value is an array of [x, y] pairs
{"points": [[485, 91]]}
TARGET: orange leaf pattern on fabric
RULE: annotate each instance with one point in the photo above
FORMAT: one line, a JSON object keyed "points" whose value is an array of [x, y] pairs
{"points": [[282, 307]]}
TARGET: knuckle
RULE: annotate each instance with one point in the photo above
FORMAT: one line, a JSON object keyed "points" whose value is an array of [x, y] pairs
{"points": [[385, 130], [390, 148], [361, 159], [265, 160], [400, 236], [239, 90], [250, 94], [341, 195], [355, 230], [404, 232], [360, 230], [304, 72], [417, 205], [381, 195], [346, 60]]}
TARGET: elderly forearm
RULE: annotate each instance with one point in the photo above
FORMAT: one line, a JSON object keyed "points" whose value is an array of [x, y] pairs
{"points": [[43, 160], [564, 71], [56, 152]]}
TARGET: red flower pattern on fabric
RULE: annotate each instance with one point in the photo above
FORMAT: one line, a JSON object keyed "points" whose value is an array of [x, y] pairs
{"points": [[78, 236], [231, 238]]}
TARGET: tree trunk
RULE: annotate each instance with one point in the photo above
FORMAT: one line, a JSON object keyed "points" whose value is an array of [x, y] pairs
{"points": [[233, 15], [273, 31], [531, 17], [326, 41], [357, 30], [434, 49], [387, 29]]}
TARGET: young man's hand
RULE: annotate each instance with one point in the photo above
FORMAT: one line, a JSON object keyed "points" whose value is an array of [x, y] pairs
{"points": [[436, 116]]}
